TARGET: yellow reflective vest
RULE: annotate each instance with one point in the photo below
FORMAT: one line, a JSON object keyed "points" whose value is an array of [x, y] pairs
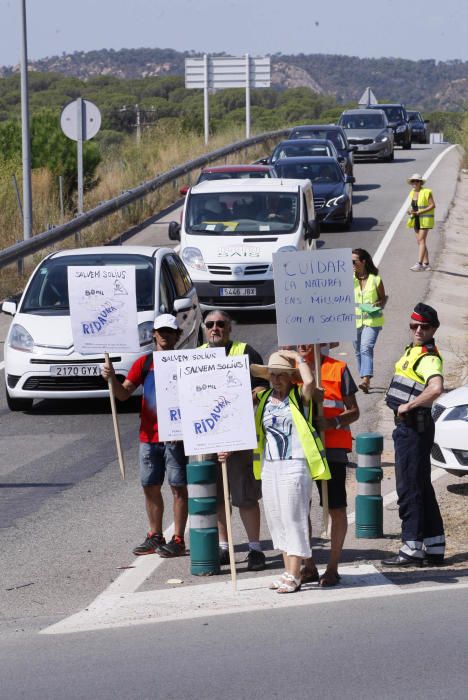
{"points": [[368, 295], [407, 383], [235, 349], [426, 220], [314, 451]]}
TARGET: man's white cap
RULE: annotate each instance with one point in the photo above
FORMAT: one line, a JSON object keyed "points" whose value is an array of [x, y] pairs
{"points": [[165, 321]]}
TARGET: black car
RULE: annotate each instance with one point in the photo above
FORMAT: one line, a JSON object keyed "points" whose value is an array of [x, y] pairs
{"points": [[419, 130], [398, 119], [332, 132], [333, 190], [304, 147]]}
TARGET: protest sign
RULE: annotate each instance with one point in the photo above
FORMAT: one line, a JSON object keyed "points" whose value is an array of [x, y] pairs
{"points": [[103, 308], [314, 296], [216, 405], [166, 363]]}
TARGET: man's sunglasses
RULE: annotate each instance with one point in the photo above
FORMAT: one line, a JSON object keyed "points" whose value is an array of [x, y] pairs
{"points": [[422, 326], [212, 324]]}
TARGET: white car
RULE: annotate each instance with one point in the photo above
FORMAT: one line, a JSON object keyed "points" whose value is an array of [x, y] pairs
{"points": [[40, 359], [450, 450]]}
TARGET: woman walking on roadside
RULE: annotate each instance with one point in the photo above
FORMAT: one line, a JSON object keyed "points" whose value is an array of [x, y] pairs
{"points": [[289, 455], [369, 295], [421, 218]]}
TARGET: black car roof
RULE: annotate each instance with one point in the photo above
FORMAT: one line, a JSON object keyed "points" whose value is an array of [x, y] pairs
{"points": [[307, 159]]}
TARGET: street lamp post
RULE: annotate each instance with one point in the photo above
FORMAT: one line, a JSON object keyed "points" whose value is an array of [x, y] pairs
{"points": [[26, 143]]}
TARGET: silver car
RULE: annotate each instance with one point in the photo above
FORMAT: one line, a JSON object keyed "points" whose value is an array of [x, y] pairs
{"points": [[369, 131]]}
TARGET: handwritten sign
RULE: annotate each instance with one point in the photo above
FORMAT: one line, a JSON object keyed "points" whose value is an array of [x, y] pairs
{"points": [[103, 308], [166, 363], [216, 405], [314, 293]]}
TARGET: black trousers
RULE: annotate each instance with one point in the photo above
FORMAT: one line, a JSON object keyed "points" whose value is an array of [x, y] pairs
{"points": [[418, 508]]}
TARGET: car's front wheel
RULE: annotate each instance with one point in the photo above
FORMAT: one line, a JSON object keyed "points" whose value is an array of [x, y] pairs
{"points": [[18, 404], [407, 145], [349, 221]]}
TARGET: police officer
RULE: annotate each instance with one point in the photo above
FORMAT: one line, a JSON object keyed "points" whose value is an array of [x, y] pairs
{"points": [[417, 383]]}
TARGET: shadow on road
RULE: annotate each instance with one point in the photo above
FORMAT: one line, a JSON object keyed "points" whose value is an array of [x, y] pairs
{"points": [[365, 223], [366, 187]]}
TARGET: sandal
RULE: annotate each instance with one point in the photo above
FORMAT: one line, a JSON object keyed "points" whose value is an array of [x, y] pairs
{"points": [[364, 386], [309, 575], [291, 584], [329, 578], [277, 583]]}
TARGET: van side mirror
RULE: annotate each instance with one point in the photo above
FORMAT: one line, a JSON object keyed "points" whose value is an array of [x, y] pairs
{"points": [[313, 230], [174, 231], [182, 304], [263, 161]]}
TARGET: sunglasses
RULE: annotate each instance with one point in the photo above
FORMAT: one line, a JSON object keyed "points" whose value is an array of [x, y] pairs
{"points": [[212, 324], [413, 181], [422, 326], [355, 262], [165, 329]]}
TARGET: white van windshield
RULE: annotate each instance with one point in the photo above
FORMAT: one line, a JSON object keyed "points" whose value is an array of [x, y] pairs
{"points": [[236, 213]]}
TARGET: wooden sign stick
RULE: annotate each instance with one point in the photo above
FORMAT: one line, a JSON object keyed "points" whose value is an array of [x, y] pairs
{"points": [[227, 508], [115, 421], [318, 381]]}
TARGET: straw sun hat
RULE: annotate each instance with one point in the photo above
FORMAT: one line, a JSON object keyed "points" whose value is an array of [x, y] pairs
{"points": [[416, 176], [276, 363]]}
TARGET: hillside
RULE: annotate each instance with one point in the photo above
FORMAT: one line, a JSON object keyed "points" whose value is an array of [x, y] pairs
{"points": [[425, 84]]}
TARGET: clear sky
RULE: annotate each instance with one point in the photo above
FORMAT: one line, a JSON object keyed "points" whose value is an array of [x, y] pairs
{"points": [[367, 28]]}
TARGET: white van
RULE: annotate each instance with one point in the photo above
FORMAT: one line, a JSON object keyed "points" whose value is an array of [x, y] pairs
{"points": [[230, 230]]}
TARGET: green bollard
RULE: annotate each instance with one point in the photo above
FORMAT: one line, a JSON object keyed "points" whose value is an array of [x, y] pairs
{"points": [[202, 508], [369, 503]]}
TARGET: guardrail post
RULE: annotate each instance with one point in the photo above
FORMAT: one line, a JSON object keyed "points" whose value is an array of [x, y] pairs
{"points": [[369, 504], [202, 508]]}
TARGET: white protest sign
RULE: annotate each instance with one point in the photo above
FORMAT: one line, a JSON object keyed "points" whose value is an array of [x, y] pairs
{"points": [[314, 296], [103, 308], [216, 405], [166, 363]]}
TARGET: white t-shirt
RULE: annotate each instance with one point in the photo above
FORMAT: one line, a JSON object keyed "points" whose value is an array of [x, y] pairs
{"points": [[281, 438]]}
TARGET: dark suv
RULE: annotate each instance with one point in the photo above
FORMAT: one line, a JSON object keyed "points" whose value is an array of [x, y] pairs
{"points": [[398, 120], [334, 133]]}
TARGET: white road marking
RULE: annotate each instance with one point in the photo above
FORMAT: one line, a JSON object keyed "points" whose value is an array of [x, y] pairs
{"points": [[207, 600], [387, 239]]}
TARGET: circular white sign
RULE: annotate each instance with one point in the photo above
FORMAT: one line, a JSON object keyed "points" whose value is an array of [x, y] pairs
{"points": [[91, 120]]}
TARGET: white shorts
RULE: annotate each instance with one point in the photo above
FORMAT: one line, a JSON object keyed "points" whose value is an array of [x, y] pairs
{"points": [[287, 490]]}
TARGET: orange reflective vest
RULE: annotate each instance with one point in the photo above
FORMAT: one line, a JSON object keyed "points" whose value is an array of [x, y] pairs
{"points": [[333, 404]]}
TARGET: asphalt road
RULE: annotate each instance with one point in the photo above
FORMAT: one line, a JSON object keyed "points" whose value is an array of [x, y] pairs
{"points": [[68, 522]]}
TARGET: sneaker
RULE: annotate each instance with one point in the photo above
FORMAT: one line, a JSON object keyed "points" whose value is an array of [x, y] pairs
{"points": [[151, 544], [223, 556], [417, 268], [426, 266], [174, 548], [255, 560]]}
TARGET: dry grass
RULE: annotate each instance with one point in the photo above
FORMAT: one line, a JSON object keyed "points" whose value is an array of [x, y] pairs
{"points": [[160, 150]]}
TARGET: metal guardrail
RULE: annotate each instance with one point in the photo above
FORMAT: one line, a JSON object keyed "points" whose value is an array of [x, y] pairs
{"points": [[18, 251]]}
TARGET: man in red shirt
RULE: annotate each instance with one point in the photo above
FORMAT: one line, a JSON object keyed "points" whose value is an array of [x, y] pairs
{"points": [[156, 458]]}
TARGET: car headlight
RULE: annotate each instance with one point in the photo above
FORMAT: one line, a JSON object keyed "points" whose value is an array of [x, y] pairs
{"points": [[457, 413], [400, 129], [145, 332], [193, 258], [20, 339], [335, 201], [381, 138]]}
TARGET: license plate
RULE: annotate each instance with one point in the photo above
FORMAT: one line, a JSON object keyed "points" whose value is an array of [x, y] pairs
{"points": [[75, 370], [237, 291]]}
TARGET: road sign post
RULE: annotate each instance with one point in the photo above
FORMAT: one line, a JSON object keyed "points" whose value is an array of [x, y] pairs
{"points": [[218, 72], [80, 121]]}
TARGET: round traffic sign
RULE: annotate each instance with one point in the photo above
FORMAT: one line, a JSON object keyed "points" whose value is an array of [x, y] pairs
{"points": [[91, 119]]}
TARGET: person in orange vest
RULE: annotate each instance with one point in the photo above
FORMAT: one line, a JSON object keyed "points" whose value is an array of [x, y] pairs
{"points": [[340, 409]]}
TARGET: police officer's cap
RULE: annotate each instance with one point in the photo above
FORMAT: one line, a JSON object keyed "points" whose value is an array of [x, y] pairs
{"points": [[425, 314]]}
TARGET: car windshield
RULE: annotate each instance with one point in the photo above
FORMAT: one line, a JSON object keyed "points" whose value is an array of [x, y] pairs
{"points": [[334, 136], [362, 121], [305, 149], [414, 117], [236, 213], [315, 172], [233, 175], [48, 292], [394, 114]]}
